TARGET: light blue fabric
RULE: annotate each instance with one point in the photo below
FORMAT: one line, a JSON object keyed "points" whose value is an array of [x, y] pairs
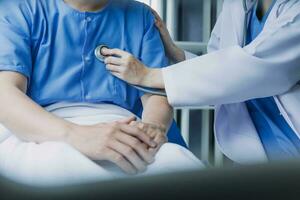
{"points": [[278, 138], [53, 45]]}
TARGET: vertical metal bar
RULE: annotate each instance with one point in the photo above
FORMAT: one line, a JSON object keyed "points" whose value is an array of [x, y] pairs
{"points": [[218, 156], [205, 135], [185, 125], [158, 5], [172, 18], [219, 6], [172, 25], [176, 115], [207, 6], [205, 130]]}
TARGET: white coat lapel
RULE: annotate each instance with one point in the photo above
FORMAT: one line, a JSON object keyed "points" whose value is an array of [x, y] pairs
{"points": [[235, 132], [238, 15], [231, 26]]}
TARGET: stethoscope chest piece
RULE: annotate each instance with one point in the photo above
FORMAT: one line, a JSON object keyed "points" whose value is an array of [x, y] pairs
{"points": [[98, 52]]}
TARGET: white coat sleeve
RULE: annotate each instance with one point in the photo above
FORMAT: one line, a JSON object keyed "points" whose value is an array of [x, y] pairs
{"points": [[269, 66]]}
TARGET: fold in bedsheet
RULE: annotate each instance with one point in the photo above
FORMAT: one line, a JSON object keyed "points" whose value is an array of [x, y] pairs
{"points": [[53, 163]]}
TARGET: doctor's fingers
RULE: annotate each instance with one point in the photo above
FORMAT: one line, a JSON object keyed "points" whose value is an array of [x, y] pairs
{"points": [[115, 52], [128, 63], [130, 154], [119, 160], [138, 146], [158, 20], [138, 133], [114, 60], [115, 68], [116, 74]]}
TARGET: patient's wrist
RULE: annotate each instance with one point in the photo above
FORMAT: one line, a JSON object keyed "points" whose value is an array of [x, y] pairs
{"points": [[69, 132]]}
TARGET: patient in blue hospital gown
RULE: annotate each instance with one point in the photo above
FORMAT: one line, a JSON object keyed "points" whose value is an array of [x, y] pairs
{"points": [[52, 44]]}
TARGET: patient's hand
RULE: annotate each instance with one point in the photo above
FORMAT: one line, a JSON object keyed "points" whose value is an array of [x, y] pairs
{"points": [[125, 145], [157, 133]]}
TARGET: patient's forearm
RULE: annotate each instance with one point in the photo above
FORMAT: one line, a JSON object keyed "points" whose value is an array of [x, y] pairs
{"points": [[157, 111], [26, 119]]}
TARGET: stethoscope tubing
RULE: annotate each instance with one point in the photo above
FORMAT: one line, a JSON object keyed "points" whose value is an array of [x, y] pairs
{"points": [[247, 10]]}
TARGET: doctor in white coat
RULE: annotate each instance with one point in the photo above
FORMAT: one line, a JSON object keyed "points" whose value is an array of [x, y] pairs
{"points": [[237, 77]]}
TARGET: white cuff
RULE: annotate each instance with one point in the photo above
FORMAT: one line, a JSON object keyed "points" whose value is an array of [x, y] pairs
{"points": [[189, 55]]}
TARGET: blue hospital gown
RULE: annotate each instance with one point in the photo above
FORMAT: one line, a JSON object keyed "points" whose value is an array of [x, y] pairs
{"points": [[53, 45]]}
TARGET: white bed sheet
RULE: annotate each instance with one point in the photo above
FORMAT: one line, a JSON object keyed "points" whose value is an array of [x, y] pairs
{"points": [[54, 164]]}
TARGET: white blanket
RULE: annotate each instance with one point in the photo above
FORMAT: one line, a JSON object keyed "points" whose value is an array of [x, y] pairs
{"points": [[53, 163]]}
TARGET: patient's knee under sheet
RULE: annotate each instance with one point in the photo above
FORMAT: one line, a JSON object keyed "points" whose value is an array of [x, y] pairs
{"points": [[59, 164], [54, 163]]}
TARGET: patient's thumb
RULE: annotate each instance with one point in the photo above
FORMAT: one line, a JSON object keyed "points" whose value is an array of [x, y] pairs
{"points": [[127, 120]]}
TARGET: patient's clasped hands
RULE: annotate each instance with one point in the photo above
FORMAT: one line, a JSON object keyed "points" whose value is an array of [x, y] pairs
{"points": [[129, 144], [156, 132]]}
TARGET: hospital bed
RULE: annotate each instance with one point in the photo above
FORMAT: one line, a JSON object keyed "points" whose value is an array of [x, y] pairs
{"points": [[277, 181]]}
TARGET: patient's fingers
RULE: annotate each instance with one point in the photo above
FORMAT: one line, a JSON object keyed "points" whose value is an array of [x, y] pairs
{"points": [[138, 133], [154, 151], [159, 23], [156, 15], [121, 162], [127, 120], [129, 154], [141, 126], [138, 146], [160, 140]]}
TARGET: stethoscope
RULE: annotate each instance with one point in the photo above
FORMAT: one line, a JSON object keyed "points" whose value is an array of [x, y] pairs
{"points": [[101, 58], [247, 10]]}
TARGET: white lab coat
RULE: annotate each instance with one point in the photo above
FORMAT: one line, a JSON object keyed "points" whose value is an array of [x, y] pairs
{"points": [[229, 75]]}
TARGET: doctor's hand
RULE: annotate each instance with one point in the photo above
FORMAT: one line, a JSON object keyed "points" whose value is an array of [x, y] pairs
{"points": [[157, 133], [172, 50], [118, 142], [126, 67]]}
